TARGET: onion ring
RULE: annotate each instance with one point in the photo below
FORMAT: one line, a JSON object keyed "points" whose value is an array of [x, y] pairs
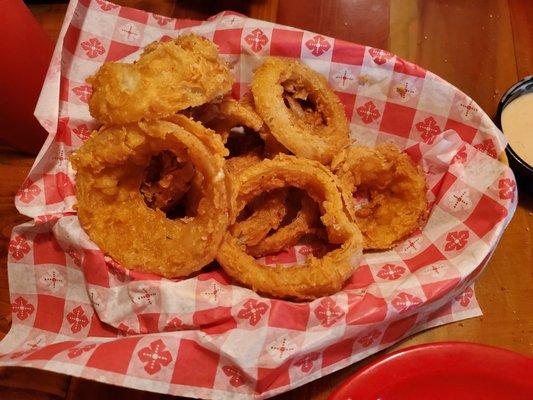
{"points": [[272, 146], [194, 195], [318, 277], [110, 168], [289, 234], [167, 181], [168, 77], [235, 165], [222, 117], [396, 189], [268, 213], [280, 87]]}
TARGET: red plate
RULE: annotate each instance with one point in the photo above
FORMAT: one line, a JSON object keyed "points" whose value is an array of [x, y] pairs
{"points": [[438, 371]]}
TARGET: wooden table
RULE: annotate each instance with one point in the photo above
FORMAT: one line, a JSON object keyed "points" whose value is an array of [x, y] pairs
{"points": [[481, 46]]}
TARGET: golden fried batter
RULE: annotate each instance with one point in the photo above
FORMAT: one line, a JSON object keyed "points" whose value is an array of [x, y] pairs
{"points": [[319, 276], [268, 213], [301, 110], [288, 235], [167, 181], [395, 188], [223, 116], [168, 77], [110, 167]]}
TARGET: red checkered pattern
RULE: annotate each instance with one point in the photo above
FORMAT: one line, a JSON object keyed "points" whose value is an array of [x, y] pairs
{"points": [[77, 311]]}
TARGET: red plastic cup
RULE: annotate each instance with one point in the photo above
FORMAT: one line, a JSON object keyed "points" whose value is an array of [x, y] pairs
{"points": [[26, 51]]}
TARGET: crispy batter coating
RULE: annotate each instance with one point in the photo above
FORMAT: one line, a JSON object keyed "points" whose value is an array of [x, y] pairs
{"points": [[173, 141], [235, 165], [167, 181], [396, 191], [319, 276], [172, 134], [301, 110], [268, 213], [289, 234], [168, 77], [110, 168], [224, 116], [227, 114]]}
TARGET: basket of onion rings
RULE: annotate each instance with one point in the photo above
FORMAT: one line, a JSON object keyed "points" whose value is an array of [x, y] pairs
{"points": [[213, 197]]}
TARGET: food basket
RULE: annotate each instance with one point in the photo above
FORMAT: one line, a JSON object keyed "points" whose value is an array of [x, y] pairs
{"points": [[76, 311]]}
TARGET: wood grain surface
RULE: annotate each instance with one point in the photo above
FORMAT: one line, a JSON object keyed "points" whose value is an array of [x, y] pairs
{"points": [[481, 46]]}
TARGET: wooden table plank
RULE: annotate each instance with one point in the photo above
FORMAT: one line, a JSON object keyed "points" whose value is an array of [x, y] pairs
{"points": [[25, 394], [81, 389], [48, 383], [470, 44], [50, 16], [162, 7], [361, 21], [522, 22], [202, 9], [265, 9], [450, 38]]}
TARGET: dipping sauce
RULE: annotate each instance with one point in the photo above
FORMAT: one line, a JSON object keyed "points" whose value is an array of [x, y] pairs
{"points": [[517, 125]]}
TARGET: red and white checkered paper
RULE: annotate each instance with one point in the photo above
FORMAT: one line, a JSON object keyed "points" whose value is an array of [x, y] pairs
{"points": [[77, 312]]}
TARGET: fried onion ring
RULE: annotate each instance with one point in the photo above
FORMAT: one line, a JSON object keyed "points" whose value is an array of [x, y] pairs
{"points": [[235, 165], [318, 277], [396, 189], [289, 234], [301, 110], [226, 115], [167, 181], [223, 116], [268, 213], [110, 168], [168, 77]]}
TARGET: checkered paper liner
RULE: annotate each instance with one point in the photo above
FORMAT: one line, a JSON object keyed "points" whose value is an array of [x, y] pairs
{"points": [[78, 312]]}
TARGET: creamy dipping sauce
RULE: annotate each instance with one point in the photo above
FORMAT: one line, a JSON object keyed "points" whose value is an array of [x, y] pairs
{"points": [[517, 125]]}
